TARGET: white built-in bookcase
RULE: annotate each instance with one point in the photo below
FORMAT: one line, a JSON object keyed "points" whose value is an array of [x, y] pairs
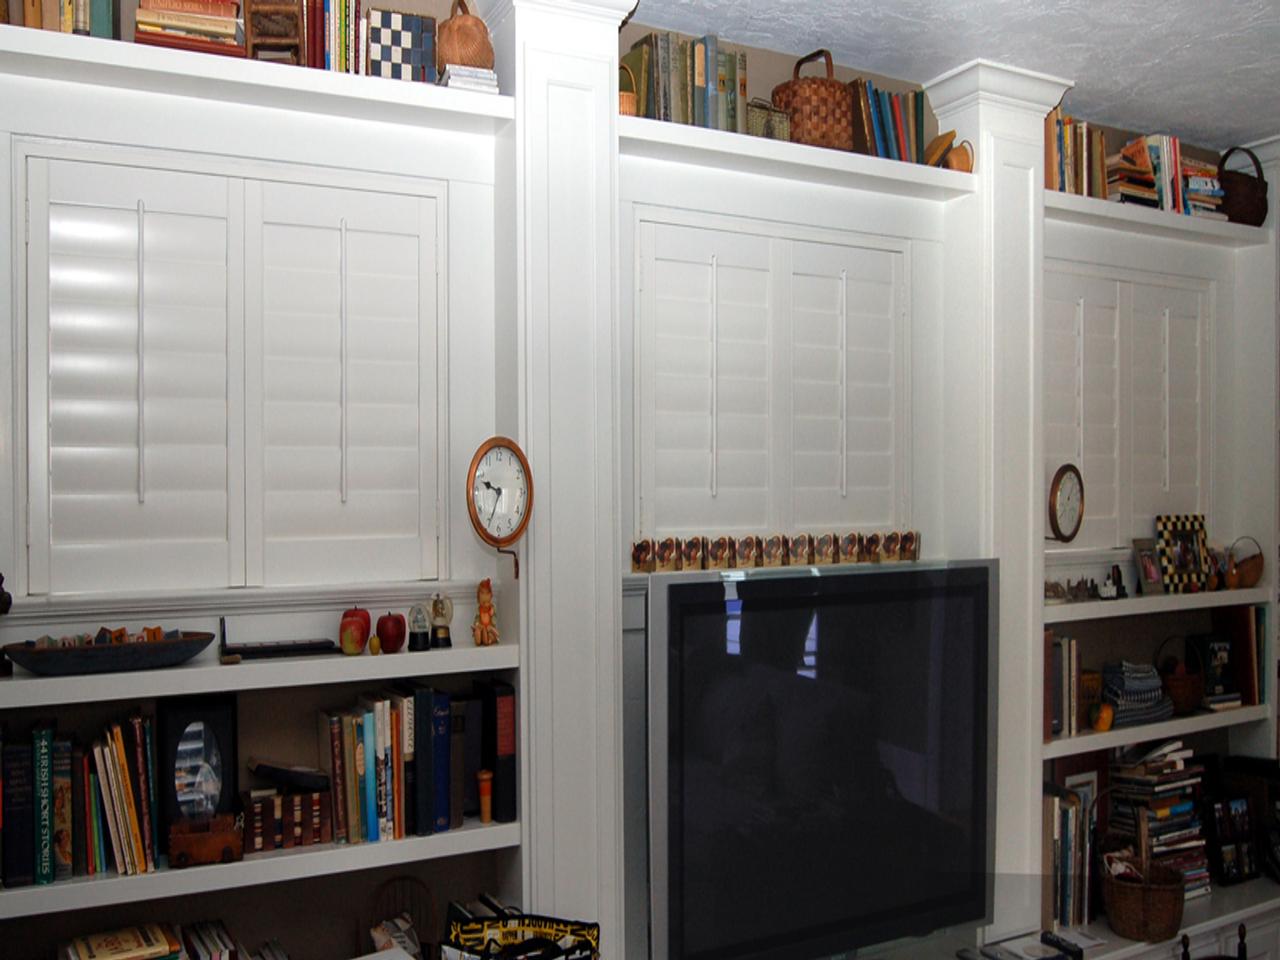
{"points": [[677, 324]]}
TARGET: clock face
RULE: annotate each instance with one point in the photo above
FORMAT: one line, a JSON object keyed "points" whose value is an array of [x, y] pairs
{"points": [[500, 491], [1066, 503]]}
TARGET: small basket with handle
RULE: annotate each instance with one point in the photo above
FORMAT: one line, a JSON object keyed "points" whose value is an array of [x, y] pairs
{"points": [[628, 101], [1149, 909], [1245, 196], [820, 108], [463, 40], [1243, 573], [1185, 689]]}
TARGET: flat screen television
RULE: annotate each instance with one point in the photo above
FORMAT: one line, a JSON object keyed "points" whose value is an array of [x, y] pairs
{"points": [[821, 758]]}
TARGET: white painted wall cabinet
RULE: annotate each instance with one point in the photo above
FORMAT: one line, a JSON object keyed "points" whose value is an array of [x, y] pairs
{"points": [[232, 381]]}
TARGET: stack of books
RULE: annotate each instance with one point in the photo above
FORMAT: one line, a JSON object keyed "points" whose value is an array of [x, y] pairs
{"points": [[1203, 190], [1075, 156], [683, 80], [206, 26], [205, 940], [71, 811], [1161, 785], [469, 78], [404, 762]]}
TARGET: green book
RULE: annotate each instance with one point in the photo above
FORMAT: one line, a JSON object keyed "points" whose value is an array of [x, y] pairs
{"points": [[42, 767], [919, 95], [730, 91], [100, 18]]}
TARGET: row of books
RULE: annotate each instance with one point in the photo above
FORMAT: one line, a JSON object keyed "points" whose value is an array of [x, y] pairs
{"points": [[204, 940], [1075, 156], [1066, 853], [682, 80], [888, 124], [205, 26], [406, 762], [1070, 692], [1160, 787], [98, 18], [73, 811]]}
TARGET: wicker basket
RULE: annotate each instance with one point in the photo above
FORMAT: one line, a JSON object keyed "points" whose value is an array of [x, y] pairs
{"points": [[1150, 911], [764, 120], [1244, 573], [1186, 690], [463, 39], [820, 108], [628, 104], [1245, 199]]}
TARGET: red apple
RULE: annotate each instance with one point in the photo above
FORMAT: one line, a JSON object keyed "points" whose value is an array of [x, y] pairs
{"points": [[362, 614], [391, 631], [353, 633]]}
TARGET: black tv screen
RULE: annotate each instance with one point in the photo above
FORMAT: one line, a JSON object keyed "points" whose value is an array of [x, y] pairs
{"points": [[827, 761]]}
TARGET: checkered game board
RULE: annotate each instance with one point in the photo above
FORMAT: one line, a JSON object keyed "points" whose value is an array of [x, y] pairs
{"points": [[402, 46]]}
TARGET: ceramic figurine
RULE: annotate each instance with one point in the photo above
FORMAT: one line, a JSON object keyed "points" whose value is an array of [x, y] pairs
{"points": [[749, 550], [441, 617], [484, 629], [642, 556], [776, 549], [720, 553]]}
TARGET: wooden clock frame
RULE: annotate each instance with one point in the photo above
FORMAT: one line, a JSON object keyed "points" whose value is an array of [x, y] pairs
{"points": [[1055, 487], [500, 543]]}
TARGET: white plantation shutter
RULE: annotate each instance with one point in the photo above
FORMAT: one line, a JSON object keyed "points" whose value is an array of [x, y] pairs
{"points": [[707, 347], [133, 331], [1082, 396], [1169, 410], [342, 406], [848, 418]]}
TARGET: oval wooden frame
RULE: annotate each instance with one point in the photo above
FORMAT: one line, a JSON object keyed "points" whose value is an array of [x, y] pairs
{"points": [[1055, 487], [499, 542]]}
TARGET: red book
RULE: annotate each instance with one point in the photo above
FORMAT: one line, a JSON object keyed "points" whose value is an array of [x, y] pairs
{"points": [[143, 792], [899, 130], [177, 42], [210, 8]]}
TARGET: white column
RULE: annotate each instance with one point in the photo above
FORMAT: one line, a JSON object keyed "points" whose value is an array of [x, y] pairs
{"points": [[998, 238], [557, 369]]}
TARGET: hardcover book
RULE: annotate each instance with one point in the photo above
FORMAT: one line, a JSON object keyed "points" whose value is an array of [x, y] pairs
{"points": [[63, 801], [498, 746], [441, 745], [42, 770], [18, 846]]}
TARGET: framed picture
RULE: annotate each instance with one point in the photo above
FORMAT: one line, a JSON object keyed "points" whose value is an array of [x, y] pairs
{"points": [[1148, 566], [197, 771], [1183, 552]]}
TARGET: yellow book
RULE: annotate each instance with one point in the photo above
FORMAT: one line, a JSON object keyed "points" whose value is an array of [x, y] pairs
{"points": [[188, 22], [147, 942], [126, 787]]}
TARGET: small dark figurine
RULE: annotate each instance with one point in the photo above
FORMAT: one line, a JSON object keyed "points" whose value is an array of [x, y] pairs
{"points": [[6, 598], [1117, 578]]}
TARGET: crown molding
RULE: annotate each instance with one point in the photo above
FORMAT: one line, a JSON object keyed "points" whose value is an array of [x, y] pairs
{"points": [[985, 80]]}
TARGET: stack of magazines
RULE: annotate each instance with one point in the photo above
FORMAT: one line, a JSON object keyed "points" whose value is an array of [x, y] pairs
{"points": [[470, 78], [1134, 689]]}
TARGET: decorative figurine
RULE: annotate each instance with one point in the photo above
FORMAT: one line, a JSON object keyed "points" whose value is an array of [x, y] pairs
{"points": [[749, 551], [419, 628], [776, 550], [642, 559], [6, 598], [666, 555], [849, 548], [442, 616], [720, 553], [484, 631]]}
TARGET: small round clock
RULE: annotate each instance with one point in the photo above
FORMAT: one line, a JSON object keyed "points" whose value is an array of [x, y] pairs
{"points": [[499, 492], [1066, 503]]}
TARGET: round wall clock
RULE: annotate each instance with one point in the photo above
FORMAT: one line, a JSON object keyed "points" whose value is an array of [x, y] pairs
{"points": [[499, 492], [1066, 503]]}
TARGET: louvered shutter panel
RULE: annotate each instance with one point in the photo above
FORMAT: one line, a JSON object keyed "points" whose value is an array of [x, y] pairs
{"points": [[132, 428], [705, 392], [1083, 408], [1169, 409], [848, 377], [342, 404]]}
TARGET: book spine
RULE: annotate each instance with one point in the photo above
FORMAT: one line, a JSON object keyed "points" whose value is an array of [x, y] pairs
{"points": [[473, 752], [150, 751], [337, 778], [143, 790], [79, 815], [92, 815], [731, 91], [18, 844], [385, 829], [373, 818], [42, 765], [355, 830], [133, 820], [499, 745], [440, 746], [80, 17], [899, 128], [919, 115], [397, 772], [873, 99], [32, 12], [700, 83], [457, 761], [63, 815], [424, 788], [742, 93], [209, 8], [722, 91]]}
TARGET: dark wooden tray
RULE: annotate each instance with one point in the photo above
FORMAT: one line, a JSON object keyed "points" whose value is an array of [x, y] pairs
{"points": [[106, 658]]}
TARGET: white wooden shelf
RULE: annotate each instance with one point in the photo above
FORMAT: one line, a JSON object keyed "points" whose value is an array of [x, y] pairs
{"points": [[278, 866], [97, 61], [1141, 221], [1222, 908], [681, 143], [205, 674], [1089, 740], [1165, 603]]}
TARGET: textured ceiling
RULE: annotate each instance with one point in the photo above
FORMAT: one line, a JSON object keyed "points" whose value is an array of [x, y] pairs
{"points": [[1206, 71]]}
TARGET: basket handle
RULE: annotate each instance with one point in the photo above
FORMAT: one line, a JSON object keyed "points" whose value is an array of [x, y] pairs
{"points": [[1222, 165], [1232, 549], [622, 66], [456, 4], [1155, 660], [825, 54]]}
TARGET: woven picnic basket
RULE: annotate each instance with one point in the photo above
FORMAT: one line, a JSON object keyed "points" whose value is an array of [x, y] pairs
{"points": [[820, 108]]}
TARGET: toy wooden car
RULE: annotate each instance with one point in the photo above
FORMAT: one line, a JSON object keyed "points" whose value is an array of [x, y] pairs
{"points": [[218, 839]]}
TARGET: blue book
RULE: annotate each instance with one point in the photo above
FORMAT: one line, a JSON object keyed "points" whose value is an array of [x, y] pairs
{"points": [[711, 66], [876, 123], [369, 732], [328, 65], [886, 124], [441, 731], [423, 761], [100, 18], [151, 783]]}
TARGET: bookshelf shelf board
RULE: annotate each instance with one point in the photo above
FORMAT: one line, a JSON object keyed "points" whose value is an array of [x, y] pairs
{"points": [[1137, 606], [277, 866], [101, 62], [681, 143], [1143, 221], [1221, 909], [205, 674], [1090, 741]]}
